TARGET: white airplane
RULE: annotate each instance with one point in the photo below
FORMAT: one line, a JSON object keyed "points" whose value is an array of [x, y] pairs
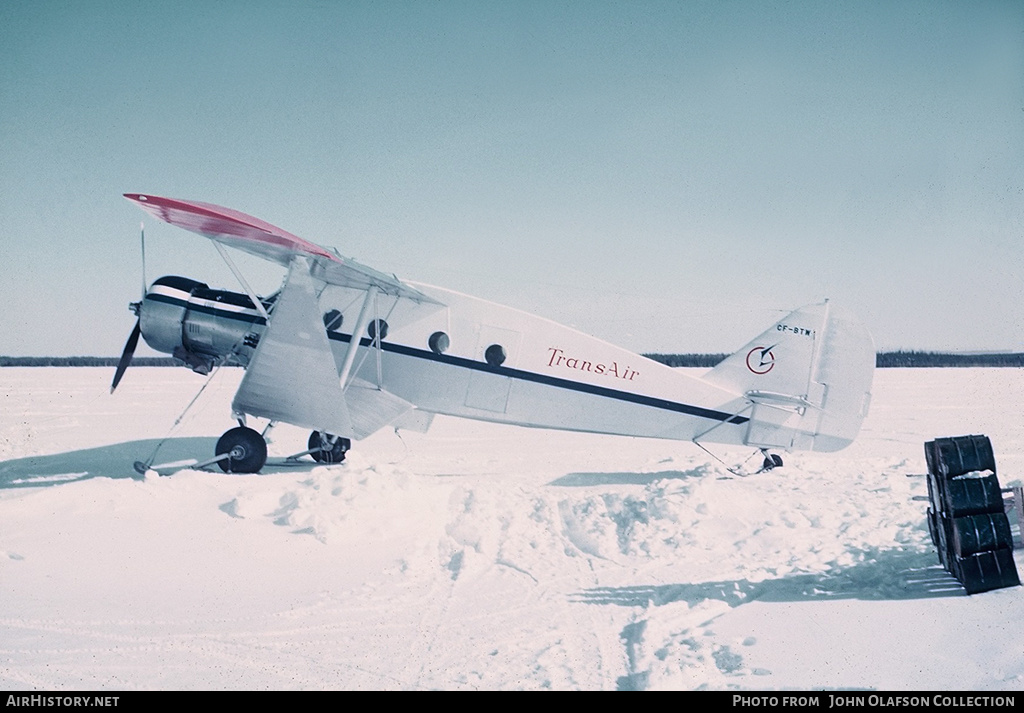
{"points": [[345, 350]]}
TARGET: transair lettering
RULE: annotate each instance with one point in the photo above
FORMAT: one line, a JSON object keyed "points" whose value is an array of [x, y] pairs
{"points": [[613, 370]]}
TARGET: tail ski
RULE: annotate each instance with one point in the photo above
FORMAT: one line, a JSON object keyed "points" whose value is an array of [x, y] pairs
{"points": [[807, 380]]}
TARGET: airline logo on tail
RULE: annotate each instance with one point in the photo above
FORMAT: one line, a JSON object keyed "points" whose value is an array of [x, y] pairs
{"points": [[760, 360]]}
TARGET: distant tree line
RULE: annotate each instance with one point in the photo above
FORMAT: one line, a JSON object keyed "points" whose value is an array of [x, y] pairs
{"points": [[704, 360], [882, 360], [906, 359], [85, 361]]}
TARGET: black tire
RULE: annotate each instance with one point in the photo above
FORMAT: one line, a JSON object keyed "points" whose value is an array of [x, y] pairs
{"points": [[981, 533], [984, 571], [943, 538], [973, 496], [334, 455], [934, 496], [933, 528], [247, 449], [950, 457]]}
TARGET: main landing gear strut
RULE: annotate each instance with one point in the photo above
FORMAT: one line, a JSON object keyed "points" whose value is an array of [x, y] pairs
{"points": [[243, 450]]}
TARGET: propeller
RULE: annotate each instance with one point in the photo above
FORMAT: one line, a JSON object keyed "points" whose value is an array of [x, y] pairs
{"points": [[136, 307], [142, 237], [126, 355]]}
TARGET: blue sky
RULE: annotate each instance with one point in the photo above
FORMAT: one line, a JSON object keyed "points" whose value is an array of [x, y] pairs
{"points": [[671, 176]]}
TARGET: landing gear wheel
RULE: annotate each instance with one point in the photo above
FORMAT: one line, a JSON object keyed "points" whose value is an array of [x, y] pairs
{"points": [[246, 448], [325, 453], [771, 461]]}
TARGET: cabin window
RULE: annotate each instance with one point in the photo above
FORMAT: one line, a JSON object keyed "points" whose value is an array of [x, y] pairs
{"points": [[439, 342], [495, 355], [377, 326]]}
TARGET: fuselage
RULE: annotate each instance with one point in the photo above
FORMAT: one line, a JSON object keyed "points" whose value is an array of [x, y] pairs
{"points": [[464, 357]]}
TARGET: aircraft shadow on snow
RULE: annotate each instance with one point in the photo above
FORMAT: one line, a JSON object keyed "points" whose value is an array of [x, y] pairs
{"points": [[113, 461], [583, 480], [885, 575]]}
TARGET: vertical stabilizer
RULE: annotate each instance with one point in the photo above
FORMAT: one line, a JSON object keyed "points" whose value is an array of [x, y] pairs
{"points": [[807, 379]]}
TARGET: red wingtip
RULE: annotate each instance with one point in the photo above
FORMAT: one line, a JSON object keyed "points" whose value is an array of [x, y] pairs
{"points": [[229, 226]]}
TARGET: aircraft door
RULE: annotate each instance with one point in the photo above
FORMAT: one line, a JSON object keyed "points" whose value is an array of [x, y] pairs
{"points": [[489, 388]]}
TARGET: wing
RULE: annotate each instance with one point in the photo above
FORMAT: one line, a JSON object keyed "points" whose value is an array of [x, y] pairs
{"points": [[293, 375], [256, 237]]}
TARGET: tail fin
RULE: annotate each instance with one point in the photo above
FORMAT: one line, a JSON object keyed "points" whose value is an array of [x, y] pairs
{"points": [[807, 379]]}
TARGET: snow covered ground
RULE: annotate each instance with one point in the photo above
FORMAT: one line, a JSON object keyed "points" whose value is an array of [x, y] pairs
{"points": [[478, 556]]}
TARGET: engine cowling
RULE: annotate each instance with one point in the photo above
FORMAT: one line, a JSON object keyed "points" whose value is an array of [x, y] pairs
{"points": [[199, 325]]}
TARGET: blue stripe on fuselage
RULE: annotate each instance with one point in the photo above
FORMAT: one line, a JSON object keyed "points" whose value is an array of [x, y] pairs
{"points": [[465, 363]]}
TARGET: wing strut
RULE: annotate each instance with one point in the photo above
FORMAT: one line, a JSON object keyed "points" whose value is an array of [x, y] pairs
{"points": [[357, 332], [238, 275]]}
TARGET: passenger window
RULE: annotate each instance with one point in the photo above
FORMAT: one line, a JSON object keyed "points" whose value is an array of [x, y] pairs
{"points": [[377, 326], [495, 355], [438, 342]]}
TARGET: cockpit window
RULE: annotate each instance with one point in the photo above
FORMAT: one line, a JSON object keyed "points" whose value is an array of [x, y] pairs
{"points": [[333, 320]]}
